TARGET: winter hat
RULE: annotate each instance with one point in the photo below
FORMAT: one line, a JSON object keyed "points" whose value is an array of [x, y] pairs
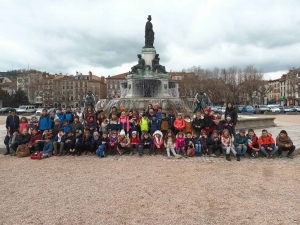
{"points": [[242, 131], [207, 110], [79, 131], [151, 111], [134, 132], [283, 132], [95, 134], [122, 132], [189, 132], [144, 114], [228, 117], [33, 116], [158, 132]]}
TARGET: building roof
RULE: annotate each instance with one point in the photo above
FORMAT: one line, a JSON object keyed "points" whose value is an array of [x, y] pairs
{"points": [[9, 85], [119, 76]]}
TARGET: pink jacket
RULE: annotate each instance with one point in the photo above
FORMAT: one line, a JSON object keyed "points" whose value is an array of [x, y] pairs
{"points": [[23, 126], [124, 123], [180, 142], [160, 142], [226, 141]]}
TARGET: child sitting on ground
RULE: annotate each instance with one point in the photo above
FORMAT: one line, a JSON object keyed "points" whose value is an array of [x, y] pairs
{"points": [[123, 143], [48, 147], [158, 142], [204, 141], [196, 142], [77, 144], [135, 141], [227, 144], [113, 142], [33, 123], [66, 126], [170, 144], [180, 144], [216, 144], [252, 146], [146, 143], [87, 142]]}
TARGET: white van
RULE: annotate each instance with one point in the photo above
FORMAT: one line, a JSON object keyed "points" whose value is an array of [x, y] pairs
{"points": [[26, 109]]}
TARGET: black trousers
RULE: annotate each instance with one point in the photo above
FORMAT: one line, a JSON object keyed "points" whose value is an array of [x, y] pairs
{"points": [[290, 149], [216, 148]]}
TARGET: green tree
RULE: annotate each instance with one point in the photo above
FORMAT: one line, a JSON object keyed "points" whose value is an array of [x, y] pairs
{"points": [[6, 98], [19, 98]]}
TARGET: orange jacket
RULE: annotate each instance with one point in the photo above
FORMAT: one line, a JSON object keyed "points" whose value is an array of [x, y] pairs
{"points": [[179, 124], [266, 140]]}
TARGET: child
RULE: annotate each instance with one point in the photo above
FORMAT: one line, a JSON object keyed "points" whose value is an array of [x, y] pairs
{"points": [[53, 117], [68, 140], [113, 123], [135, 141], [188, 123], [164, 125], [113, 142], [12, 122], [197, 122], [228, 124], [170, 144], [87, 142], [45, 121], [60, 115], [154, 125], [216, 144], [91, 125], [227, 144], [179, 124], [66, 126], [158, 142], [96, 141], [190, 150], [219, 124], [146, 143], [68, 115], [240, 144], [103, 127], [123, 143], [252, 146], [77, 144], [144, 124], [158, 114], [188, 139], [33, 123], [124, 122], [57, 127], [180, 144], [48, 147], [100, 118], [204, 141], [34, 137], [10, 140], [134, 127], [59, 140], [267, 144], [196, 142], [23, 124], [207, 121], [76, 125]]}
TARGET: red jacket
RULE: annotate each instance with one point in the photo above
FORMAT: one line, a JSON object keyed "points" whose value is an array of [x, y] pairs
{"points": [[266, 140], [135, 141], [33, 138], [179, 124]]}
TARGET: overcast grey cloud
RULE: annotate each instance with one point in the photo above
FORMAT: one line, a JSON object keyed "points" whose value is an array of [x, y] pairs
{"points": [[105, 36]]}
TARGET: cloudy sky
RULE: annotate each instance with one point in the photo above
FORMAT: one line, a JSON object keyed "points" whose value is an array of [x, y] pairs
{"points": [[105, 36]]}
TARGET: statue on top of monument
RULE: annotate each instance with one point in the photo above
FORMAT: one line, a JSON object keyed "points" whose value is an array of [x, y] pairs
{"points": [[90, 100], [149, 34], [141, 65], [157, 66], [201, 101]]}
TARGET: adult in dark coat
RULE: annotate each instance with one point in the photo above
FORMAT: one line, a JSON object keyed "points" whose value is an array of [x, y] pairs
{"points": [[12, 122], [232, 112]]}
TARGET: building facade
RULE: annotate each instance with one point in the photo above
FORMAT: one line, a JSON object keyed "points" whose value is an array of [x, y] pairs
{"points": [[113, 84]]}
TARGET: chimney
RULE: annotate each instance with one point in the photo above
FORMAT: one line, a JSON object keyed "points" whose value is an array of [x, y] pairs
{"points": [[102, 79], [90, 76]]}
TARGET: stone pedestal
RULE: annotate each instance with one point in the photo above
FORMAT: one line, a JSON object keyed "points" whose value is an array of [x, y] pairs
{"points": [[148, 55]]}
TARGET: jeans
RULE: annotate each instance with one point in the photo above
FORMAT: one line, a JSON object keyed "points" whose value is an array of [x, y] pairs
{"points": [[241, 150], [227, 149], [263, 150], [181, 149], [172, 150], [290, 149], [198, 148]]}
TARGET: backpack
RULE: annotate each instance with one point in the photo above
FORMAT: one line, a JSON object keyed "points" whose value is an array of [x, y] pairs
{"points": [[23, 151], [191, 152], [164, 125], [100, 151], [36, 155]]}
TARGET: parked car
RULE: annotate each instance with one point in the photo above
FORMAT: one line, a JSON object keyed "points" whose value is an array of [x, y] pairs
{"points": [[275, 109], [248, 109], [38, 112], [52, 110], [240, 108], [296, 108], [288, 109], [26, 109], [262, 108], [5, 110], [222, 110], [215, 109]]}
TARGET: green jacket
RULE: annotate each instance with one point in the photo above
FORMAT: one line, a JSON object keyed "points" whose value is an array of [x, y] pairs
{"points": [[238, 139], [144, 124]]}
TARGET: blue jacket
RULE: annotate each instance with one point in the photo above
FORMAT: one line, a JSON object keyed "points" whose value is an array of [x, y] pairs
{"points": [[48, 147], [195, 140], [148, 140], [61, 117], [113, 126], [45, 122], [96, 143], [154, 126], [67, 128], [69, 116], [12, 122]]}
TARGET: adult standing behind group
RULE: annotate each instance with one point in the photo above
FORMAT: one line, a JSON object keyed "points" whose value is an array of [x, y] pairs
{"points": [[232, 112], [12, 122]]}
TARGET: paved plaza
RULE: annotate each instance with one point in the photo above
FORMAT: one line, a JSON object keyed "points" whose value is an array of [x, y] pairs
{"points": [[152, 189]]}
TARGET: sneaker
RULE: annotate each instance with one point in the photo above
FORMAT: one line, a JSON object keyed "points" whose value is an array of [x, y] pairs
{"points": [[178, 156], [252, 156], [270, 156], [185, 156], [280, 156], [213, 155], [289, 156]]}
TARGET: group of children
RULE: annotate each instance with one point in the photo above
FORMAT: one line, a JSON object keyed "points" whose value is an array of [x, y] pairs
{"points": [[131, 132]]}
